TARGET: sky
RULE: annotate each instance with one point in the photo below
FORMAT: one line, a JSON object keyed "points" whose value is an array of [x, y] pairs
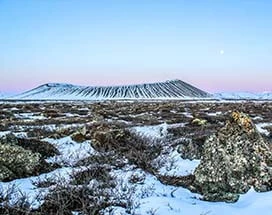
{"points": [[215, 45]]}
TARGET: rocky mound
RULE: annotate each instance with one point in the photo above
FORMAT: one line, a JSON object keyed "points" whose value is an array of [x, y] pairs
{"points": [[23, 157], [16, 162], [233, 160]]}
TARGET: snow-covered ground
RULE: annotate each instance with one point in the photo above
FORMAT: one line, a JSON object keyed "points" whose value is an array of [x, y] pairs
{"points": [[70, 151], [30, 116], [150, 196], [153, 197], [261, 128], [155, 131], [244, 95], [176, 166], [26, 187], [173, 201], [214, 114]]}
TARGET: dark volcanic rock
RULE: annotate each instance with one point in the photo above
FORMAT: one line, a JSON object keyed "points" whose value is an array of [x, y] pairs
{"points": [[23, 157], [191, 149], [44, 148], [234, 159], [16, 162], [80, 135]]}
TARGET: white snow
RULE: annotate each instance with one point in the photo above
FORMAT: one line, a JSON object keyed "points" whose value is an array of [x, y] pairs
{"points": [[187, 114], [70, 151], [176, 166], [150, 195], [153, 197], [49, 127], [261, 128], [71, 115], [214, 114], [31, 116], [17, 134], [155, 131], [251, 203], [174, 89], [257, 118], [244, 95], [25, 186], [4, 133], [165, 199]]}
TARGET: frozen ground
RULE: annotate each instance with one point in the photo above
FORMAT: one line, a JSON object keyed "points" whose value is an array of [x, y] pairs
{"points": [[149, 196]]}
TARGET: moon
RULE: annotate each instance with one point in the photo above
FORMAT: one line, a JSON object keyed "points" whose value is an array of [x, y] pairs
{"points": [[222, 52]]}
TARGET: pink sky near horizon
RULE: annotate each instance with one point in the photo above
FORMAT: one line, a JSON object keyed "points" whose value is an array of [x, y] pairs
{"points": [[209, 80]]}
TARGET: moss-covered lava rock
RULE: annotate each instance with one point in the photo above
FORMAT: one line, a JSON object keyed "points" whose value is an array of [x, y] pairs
{"points": [[16, 162], [233, 160], [21, 157]]}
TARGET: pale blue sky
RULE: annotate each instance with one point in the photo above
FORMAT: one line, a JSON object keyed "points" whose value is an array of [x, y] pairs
{"points": [[122, 42]]}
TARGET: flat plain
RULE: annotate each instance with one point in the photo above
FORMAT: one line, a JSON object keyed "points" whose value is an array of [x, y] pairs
{"points": [[118, 157]]}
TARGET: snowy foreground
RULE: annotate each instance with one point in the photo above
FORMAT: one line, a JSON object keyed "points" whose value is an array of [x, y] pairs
{"points": [[148, 195], [151, 196]]}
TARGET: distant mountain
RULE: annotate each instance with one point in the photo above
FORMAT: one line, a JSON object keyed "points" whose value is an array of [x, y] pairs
{"points": [[244, 96], [2, 95], [161, 90]]}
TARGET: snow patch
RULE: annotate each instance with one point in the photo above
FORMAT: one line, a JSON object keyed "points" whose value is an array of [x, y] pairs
{"points": [[261, 128], [155, 131], [214, 114], [70, 151], [176, 166]]}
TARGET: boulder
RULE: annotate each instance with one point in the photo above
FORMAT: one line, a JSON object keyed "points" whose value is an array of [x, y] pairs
{"points": [[106, 138], [234, 159], [16, 162], [21, 157], [199, 122], [192, 148], [36, 146], [80, 135]]}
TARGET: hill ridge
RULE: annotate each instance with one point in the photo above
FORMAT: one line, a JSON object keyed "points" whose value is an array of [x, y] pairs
{"points": [[158, 90]]}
